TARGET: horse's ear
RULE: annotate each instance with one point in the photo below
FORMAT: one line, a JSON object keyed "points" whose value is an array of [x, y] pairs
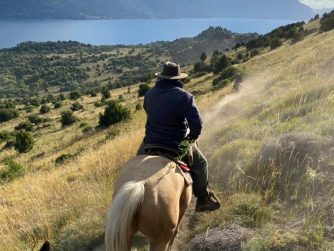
{"points": [[46, 246]]}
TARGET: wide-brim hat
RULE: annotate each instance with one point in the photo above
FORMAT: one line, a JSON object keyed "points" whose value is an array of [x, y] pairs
{"points": [[172, 71]]}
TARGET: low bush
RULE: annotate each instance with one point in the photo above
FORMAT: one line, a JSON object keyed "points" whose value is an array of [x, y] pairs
{"points": [[327, 22], [10, 171], [35, 119], [76, 106], [105, 92], [74, 95], [275, 43], [4, 136], [226, 77], [67, 118], [26, 125], [57, 105], [139, 107], [23, 141], [7, 114], [65, 157], [143, 88], [44, 109], [114, 113]]}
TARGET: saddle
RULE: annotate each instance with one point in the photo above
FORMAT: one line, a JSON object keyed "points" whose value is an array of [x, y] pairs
{"points": [[171, 154]]}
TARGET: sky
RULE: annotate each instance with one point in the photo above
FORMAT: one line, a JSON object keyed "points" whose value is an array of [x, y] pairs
{"points": [[319, 4]]}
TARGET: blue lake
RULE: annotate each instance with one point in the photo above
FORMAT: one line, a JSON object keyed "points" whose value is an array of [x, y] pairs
{"points": [[129, 31]]}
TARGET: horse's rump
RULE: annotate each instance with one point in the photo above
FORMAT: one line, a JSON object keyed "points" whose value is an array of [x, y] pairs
{"points": [[165, 195]]}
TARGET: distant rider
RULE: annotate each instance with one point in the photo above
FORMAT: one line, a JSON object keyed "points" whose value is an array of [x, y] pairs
{"points": [[171, 114]]}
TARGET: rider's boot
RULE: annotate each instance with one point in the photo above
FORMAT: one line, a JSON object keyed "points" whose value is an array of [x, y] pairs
{"points": [[209, 203]]}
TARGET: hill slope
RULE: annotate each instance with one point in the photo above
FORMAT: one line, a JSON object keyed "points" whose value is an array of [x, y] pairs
{"points": [[285, 9], [29, 68]]}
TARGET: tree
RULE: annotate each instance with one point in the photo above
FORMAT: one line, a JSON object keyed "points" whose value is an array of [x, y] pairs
{"points": [[203, 57], [105, 92], [197, 67], [67, 118], [143, 88], [221, 63], [114, 113], [23, 141], [44, 109]]}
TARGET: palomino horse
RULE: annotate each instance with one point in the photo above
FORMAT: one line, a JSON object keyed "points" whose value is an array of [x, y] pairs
{"points": [[150, 196]]}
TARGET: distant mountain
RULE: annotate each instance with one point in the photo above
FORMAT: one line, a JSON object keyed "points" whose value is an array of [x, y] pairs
{"points": [[84, 9]]}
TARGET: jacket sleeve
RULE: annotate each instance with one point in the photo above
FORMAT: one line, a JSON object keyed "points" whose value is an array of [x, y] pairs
{"points": [[194, 119]]}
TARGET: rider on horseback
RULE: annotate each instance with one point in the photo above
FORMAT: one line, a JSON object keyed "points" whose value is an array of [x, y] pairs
{"points": [[171, 114]]}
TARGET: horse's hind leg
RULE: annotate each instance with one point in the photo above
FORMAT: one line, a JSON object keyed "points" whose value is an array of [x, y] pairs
{"points": [[159, 245]]}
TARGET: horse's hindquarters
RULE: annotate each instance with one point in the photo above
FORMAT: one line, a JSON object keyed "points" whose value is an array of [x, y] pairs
{"points": [[165, 200]]}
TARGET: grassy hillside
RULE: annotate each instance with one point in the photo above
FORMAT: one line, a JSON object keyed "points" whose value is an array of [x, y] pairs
{"points": [[270, 149], [38, 69]]}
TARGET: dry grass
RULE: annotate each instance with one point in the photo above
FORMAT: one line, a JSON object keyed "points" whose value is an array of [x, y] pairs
{"points": [[286, 111]]}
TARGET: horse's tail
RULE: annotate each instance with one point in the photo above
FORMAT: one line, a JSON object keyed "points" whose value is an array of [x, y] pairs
{"points": [[120, 216]]}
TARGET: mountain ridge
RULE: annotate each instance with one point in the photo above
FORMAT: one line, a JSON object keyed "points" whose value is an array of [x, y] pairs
{"points": [[117, 9]]}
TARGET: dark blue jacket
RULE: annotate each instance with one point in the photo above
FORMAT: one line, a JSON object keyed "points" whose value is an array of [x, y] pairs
{"points": [[171, 111]]}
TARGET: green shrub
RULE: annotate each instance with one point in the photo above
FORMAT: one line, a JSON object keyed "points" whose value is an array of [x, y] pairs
{"points": [[35, 102], [67, 118], [64, 158], [139, 107], [62, 97], [37, 120], [4, 136], [26, 125], [74, 95], [250, 211], [23, 141], [254, 53], [76, 106], [230, 73], [275, 43], [29, 108], [114, 113], [220, 63], [226, 77], [10, 171], [44, 109], [327, 22], [7, 114], [87, 130], [98, 103], [105, 92], [57, 105], [203, 56], [92, 93], [143, 88]]}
